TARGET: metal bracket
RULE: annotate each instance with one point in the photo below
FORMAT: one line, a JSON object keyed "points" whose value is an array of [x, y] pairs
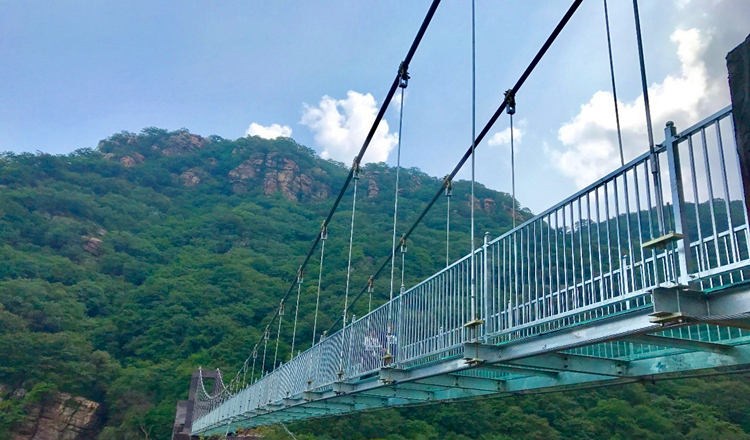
{"points": [[663, 241], [474, 323], [677, 304], [343, 388], [311, 395], [392, 375]]}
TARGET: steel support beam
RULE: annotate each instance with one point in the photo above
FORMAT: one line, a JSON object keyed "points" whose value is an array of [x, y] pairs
{"points": [[574, 363], [463, 382], [519, 370], [683, 344]]}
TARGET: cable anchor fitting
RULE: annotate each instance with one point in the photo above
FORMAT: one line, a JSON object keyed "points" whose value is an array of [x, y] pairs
{"points": [[510, 102], [402, 244], [403, 75], [370, 284], [300, 275], [355, 169], [448, 185], [323, 231]]}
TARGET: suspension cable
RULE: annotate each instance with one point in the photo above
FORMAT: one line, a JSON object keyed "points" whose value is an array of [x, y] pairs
{"points": [[510, 107], [370, 289], [278, 335], [300, 278], [649, 129], [381, 113], [265, 346], [403, 83], [398, 169], [323, 237], [252, 373], [482, 134], [474, 308], [403, 263], [355, 173], [448, 193], [614, 87]]}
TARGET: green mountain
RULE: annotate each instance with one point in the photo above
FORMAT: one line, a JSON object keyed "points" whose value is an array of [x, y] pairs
{"points": [[123, 268]]}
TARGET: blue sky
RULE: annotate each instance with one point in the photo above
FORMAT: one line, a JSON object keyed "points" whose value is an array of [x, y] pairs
{"points": [[75, 72]]}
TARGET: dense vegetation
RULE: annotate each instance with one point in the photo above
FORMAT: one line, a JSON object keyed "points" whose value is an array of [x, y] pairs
{"points": [[123, 268]]}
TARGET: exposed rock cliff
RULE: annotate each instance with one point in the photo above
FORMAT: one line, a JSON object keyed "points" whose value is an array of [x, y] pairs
{"points": [[277, 174], [60, 417]]}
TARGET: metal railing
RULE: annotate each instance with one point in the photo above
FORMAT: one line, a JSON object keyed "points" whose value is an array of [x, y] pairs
{"points": [[599, 252]]}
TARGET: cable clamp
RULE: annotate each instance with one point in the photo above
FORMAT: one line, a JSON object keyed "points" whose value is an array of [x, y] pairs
{"points": [[403, 75], [370, 284], [300, 275], [355, 169], [448, 185], [402, 243], [510, 101], [323, 231]]}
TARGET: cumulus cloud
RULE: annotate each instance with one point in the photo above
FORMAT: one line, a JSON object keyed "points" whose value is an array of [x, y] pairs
{"points": [[341, 126], [503, 137], [590, 137], [273, 131]]}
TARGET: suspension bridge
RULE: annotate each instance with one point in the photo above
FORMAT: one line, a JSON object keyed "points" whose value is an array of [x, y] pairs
{"points": [[642, 275]]}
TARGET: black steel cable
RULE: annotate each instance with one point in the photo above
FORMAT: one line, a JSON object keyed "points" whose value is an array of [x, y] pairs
{"points": [[524, 76], [389, 96]]}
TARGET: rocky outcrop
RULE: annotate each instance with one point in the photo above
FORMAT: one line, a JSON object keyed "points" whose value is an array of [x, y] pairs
{"points": [[372, 188], [61, 417], [182, 143], [92, 245], [138, 157], [127, 161], [509, 210], [191, 177], [277, 174], [488, 205]]}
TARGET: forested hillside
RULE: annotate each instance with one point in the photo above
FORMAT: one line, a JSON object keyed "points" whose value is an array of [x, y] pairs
{"points": [[125, 267]]}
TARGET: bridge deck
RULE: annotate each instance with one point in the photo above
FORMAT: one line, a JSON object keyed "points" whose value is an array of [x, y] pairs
{"points": [[593, 291]]}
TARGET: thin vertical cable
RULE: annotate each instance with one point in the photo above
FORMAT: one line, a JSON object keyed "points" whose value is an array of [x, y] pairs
{"points": [[448, 194], [403, 262], [278, 335], [473, 148], [614, 87], [265, 346], [395, 200], [296, 311], [355, 166], [512, 171], [323, 237], [252, 373], [651, 147]]}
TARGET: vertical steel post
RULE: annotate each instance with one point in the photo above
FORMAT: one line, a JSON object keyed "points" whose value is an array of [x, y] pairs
{"points": [[685, 257], [485, 289]]}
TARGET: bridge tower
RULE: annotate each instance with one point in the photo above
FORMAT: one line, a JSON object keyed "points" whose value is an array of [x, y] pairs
{"points": [[186, 409]]}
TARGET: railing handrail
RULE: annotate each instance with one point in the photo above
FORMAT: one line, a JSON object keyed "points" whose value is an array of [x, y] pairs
{"points": [[289, 373]]}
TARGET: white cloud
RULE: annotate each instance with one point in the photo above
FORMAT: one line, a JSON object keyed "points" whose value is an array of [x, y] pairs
{"points": [[591, 136], [341, 126], [503, 137], [271, 132]]}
